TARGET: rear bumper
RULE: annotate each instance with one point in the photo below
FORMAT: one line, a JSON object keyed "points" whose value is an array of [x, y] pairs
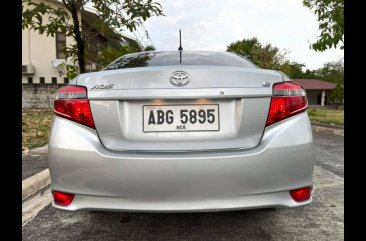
{"points": [[181, 182], [87, 202]]}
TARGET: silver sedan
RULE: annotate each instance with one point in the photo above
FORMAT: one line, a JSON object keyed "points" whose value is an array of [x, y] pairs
{"points": [[160, 132]]}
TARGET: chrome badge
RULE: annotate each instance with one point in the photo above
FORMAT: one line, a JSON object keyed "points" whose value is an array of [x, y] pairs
{"points": [[102, 86], [179, 78]]}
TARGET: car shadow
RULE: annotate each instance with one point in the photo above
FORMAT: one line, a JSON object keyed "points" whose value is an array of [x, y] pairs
{"points": [[256, 224], [231, 225]]}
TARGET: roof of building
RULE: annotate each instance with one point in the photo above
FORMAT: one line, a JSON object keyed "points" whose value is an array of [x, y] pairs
{"points": [[113, 38], [314, 84]]}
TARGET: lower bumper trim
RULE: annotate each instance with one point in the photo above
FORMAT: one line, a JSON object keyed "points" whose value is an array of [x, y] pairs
{"points": [[277, 199]]}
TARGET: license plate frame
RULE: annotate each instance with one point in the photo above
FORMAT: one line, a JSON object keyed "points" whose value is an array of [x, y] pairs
{"points": [[216, 128]]}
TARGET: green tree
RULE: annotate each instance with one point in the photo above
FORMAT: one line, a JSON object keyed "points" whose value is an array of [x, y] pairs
{"points": [[149, 48], [245, 47], [330, 14], [267, 56], [309, 74], [115, 14], [108, 55], [337, 94], [292, 69], [264, 56], [332, 72]]}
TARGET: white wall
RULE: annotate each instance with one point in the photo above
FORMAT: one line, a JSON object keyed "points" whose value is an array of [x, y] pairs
{"points": [[40, 50]]}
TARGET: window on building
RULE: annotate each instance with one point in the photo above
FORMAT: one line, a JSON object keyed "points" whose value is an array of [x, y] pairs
{"points": [[60, 45]]}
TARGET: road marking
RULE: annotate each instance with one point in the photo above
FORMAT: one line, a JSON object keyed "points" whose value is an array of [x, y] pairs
{"points": [[31, 207]]}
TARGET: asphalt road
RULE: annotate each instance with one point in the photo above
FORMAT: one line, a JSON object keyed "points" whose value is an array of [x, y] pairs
{"points": [[329, 152], [33, 163], [322, 220]]}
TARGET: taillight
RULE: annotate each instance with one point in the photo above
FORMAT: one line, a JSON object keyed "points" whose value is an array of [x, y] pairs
{"points": [[71, 103], [301, 194], [62, 198], [288, 99]]}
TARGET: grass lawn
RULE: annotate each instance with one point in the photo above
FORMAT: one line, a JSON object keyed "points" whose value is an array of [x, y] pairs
{"points": [[36, 124], [327, 116]]}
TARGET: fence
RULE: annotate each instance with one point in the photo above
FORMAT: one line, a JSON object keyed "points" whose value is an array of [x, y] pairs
{"points": [[39, 95]]}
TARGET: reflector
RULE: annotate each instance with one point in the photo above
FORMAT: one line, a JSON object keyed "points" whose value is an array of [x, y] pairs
{"points": [[302, 194], [62, 199]]}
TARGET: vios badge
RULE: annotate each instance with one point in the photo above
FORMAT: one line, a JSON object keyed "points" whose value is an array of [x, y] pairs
{"points": [[101, 86], [179, 78]]}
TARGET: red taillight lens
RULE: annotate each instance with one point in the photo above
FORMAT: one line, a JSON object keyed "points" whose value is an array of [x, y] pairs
{"points": [[301, 195], [62, 198], [71, 102], [288, 99]]}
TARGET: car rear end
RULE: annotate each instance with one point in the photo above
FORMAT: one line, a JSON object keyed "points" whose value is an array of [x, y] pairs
{"points": [[169, 137]]}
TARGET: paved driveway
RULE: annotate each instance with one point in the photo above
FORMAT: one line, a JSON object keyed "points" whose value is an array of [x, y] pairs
{"points": [[34, 162], [322, 220]]}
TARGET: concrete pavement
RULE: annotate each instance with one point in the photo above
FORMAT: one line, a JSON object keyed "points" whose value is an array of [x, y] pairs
{"points": [[34, 162], [35, 172]]}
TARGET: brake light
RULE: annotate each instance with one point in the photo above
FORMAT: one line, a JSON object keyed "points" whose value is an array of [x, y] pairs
{"points": [[288, 99], [62, 198], [301, 195], [71, 103]]}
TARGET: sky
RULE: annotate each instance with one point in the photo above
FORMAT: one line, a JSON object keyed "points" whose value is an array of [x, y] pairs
{"points": [[214, 24]]}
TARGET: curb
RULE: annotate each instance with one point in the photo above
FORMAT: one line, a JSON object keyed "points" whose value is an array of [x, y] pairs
{"points": [[335, 131], [327, 125], [33, 184], [42, 149], [39, 150]]}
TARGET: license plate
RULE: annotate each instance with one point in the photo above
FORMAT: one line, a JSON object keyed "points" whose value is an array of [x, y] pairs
{"points": [[181, 118]]}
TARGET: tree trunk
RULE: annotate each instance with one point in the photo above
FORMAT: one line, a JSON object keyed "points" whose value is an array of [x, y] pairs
{"points": [[78, 38]]}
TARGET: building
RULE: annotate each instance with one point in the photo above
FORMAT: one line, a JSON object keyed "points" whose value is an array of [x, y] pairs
{"points": [[43, 56], [317, 91], [103, 38]]}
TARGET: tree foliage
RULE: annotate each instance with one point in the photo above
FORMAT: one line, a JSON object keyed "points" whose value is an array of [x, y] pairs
{"points": [[292, 69], [108, 55], [330, 15], [149, 48], [264, 56], [332, 72], [112, 14], [337, 94], [270, 57]]}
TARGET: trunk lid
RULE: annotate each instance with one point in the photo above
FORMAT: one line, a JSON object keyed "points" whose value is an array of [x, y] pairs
{"points": [[125, 99]]}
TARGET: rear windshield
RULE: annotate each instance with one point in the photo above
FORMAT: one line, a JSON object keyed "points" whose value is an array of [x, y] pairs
{"points": [[148, 59]]}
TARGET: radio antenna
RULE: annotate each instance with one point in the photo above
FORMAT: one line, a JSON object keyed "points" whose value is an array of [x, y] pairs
{"points": [[180, 49]]}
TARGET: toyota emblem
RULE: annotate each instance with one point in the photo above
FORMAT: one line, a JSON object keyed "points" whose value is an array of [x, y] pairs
{"points": [[179, 78]]}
